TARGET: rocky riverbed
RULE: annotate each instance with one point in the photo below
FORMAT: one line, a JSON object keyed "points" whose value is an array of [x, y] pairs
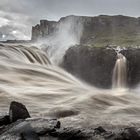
{"points": [[95, 65], [19, 125]]}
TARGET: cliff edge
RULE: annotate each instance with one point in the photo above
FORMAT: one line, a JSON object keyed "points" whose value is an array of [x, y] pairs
{"points": [[96, 31]]}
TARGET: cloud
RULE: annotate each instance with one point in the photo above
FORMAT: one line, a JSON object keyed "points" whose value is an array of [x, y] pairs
{"points": [[20, 15], [14, 26]]}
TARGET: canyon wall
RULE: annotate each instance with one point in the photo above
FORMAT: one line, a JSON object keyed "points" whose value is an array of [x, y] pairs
{"points": [[97, 31], [133, 65], [95, 65], [43, 29]]}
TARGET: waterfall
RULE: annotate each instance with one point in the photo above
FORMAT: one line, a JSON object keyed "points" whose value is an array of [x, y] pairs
{"points": [[28, 76], [119, 79]]}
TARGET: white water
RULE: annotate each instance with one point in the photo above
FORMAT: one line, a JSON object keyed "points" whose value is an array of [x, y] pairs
{"points": [[27, 76], [119, 78], [68, 33]]}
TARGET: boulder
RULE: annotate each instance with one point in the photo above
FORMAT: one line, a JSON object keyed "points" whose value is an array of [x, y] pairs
{"points": [[18, 111], [99, 130], [4, 120]]}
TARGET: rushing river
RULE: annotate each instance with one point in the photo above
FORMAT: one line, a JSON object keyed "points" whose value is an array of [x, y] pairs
{"points": [[28, 76]]}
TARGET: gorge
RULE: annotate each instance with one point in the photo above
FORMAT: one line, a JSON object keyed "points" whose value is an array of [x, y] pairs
{"points": [[94, 58], [82, 71], [95, 31]]}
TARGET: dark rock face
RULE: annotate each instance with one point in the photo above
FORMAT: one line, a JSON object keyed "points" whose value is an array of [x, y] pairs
{"points": [[94, 65], [133, 65], [4, 120], [29, 134], [18, 111]]}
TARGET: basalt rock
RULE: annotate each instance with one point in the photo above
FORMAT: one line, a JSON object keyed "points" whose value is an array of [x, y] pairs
{"points": [[133, 65], [93, 65], [18, 111], [4, 120], [26, 130], [51, 129]]}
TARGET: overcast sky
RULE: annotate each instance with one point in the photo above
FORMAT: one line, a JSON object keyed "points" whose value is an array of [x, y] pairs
{"points": [[18, 16]]}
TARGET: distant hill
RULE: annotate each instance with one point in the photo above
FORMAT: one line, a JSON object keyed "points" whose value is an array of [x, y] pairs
{"points": [[96, 31]]}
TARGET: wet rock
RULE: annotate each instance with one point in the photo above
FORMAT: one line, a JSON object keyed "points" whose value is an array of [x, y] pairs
{"points": [[133, 67], [93, 65], [29, 134], [18, 130], [71, 134], [65, 113], [123, 134], [44, 126], [130, 134], [18, 111], [30, 129], [108, 135], [4, 120], [49, 129], [99, 130]]}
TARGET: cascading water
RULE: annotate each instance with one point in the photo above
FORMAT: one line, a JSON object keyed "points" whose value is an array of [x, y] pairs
{"points": [[28, 76], [119, 78], [67, 34]]}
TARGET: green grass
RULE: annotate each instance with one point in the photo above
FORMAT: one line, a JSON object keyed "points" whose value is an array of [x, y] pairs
{"points": [[124, 41]]}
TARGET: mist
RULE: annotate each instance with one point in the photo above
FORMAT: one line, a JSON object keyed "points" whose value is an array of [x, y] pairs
{"points": [[68, 33], [70, 69]]}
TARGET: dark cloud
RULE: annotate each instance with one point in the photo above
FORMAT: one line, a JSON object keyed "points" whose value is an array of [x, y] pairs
{"points": [[14, 26], [20, 15]]}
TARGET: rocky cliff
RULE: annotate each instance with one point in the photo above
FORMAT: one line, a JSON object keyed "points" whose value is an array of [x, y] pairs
{"points": [[97, 31], [133, 65], [95, 65], [43, 29]]}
